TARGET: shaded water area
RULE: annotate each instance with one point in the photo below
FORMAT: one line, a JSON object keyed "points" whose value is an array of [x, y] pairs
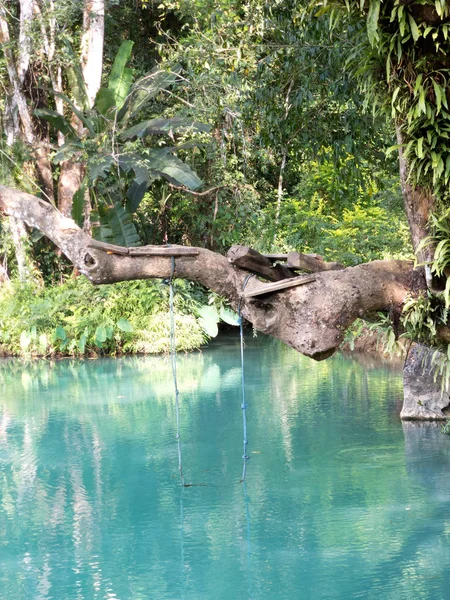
{"points": [[343, 501]]}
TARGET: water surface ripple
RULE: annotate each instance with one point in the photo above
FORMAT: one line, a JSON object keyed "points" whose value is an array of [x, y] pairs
{"points": [[342, 501]]}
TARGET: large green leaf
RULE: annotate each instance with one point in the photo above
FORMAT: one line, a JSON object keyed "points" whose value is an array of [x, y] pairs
{"points": [[159, 162], [100, 336], [173, 169], [85, 120], [67, 151], [59, 122], [146, 88], [99, 166], [105, 101], [78, 203], [139, 165], [76, 80], [121, 78], [372, 21], [229, 316], [116, 227], [208, 319], [162, 126], [135, 194], [124, 325]]}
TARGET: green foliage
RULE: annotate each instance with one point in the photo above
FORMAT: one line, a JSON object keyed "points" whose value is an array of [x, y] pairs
{"points": [[78, 319], [440, 240], [116, 168], [351, 223], [116, 226], [423, 316], [402, 67], [120, 77]]}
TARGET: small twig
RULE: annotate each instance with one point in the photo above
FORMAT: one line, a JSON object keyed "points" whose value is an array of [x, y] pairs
{"points": [[181, 188]]}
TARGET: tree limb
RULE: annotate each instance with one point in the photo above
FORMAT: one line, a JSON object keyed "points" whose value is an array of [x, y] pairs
{"points": [[312, 318]]}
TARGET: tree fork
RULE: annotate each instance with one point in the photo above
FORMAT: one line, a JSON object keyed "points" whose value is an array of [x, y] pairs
{"points": [[312, 318]]}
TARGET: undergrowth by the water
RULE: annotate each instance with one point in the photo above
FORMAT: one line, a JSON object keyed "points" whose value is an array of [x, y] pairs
{"points": [[76, 318]]}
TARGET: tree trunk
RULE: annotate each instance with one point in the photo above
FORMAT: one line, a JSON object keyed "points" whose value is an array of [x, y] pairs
{"points": [[92, 46], [16, 73], [20, 240], [49, 46], [311, 318], [280, 190], [419, 204], [72, 171], [11, 120], [70, 180]]}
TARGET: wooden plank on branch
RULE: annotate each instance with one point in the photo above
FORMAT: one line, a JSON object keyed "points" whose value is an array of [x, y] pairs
{"points": [[111, 248], [281, 257], [144, 250], [251, 260], [270, 288], [311, 262], [163, 251], [285, 257]]}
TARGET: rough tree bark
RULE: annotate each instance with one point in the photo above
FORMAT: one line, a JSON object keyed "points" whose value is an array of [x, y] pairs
{"points": [[17, 67], [73, 171], [18, 119], [419, 204], [311, 318], [92, 46], [49, 48]]}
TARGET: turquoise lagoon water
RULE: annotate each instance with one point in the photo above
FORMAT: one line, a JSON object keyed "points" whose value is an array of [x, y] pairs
{"points": [[342, 501]]}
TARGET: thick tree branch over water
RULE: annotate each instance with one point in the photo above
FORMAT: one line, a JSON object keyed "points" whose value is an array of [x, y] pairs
{"points": [[312, 318]]}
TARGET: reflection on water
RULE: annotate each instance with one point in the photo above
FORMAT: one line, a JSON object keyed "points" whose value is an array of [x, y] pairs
{"points": [[342, 501]]}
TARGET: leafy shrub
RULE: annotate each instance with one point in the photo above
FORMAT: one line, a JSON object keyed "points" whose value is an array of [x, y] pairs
{"points": [[76, 318]]}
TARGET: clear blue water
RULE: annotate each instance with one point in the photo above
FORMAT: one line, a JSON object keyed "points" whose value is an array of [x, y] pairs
{"points": [[342, 501]]}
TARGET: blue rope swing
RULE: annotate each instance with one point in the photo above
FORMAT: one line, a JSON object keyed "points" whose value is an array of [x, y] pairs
{"points": [[244, 404], [173, 356]]}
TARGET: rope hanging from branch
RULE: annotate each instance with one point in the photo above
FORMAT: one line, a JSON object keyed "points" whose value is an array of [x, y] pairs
{"points": [[244, 405], [173, 356]]}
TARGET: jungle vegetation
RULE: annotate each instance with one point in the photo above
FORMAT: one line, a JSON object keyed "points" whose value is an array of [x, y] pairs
{"points": [[278, 125]]}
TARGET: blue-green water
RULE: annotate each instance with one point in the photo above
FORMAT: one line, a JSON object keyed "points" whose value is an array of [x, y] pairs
{"points": [[343, 501]]}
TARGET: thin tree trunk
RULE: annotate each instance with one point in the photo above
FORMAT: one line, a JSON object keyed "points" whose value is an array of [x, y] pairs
{"points": [[280, 189], [11, 120], [19, 236], [48, 42], [25, 39], [287, 108], [16, 74]]}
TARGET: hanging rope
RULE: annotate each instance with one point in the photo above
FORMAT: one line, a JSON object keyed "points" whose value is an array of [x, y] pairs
{"points": [[173, 355], [244, 405]]}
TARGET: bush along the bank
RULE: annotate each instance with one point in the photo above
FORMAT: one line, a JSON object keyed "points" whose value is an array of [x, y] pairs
{"points": [[78, 319]]}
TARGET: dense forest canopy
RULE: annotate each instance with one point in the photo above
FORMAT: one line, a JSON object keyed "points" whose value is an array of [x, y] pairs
{"points": [[209, 124]]}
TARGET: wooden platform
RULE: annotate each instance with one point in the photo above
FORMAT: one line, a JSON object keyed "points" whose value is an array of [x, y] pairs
{"points": [[144, 250], [285, 284]]}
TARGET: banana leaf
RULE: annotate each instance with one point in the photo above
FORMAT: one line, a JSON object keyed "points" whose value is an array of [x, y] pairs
{"points": [[78, 205], [121, 78], [146, 88], [76, 80], [105, 102], [116, 227], [135, 194], [173, 169], [59, 122], [87, 122]]}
